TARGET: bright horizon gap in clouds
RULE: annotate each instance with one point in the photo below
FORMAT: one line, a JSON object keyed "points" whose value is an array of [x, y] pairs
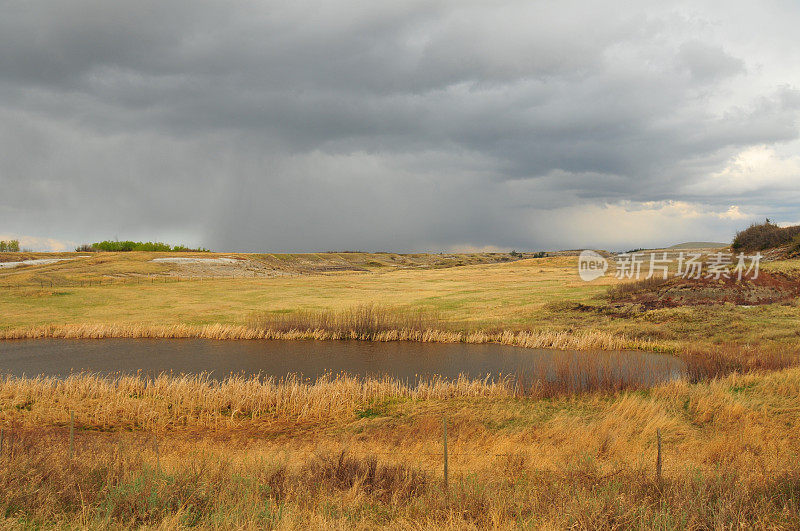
{"points": [[36, 243], [424, 126]]}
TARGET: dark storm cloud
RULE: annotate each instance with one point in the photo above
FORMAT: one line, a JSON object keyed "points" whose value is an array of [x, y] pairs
{"points": [[300, 125]]}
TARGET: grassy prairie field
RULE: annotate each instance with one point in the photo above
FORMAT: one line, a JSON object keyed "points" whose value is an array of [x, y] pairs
{"points": [[345, 453], [485, 294], [539, 294]]}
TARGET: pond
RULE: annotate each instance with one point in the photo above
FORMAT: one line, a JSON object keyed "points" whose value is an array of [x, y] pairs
{"points": [[406, 361]]}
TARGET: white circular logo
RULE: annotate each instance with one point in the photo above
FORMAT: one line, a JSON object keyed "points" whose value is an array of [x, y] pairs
{"points": [[591, 265]]}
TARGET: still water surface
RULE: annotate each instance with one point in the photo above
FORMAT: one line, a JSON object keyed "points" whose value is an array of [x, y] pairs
{"points": [[407, 361]]}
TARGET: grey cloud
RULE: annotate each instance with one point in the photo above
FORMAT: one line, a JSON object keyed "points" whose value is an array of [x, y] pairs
{"points": [[708, 63], [348, 124]]}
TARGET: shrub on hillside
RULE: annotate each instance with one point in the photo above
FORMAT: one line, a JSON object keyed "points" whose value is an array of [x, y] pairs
{"points": [[761, 236]]}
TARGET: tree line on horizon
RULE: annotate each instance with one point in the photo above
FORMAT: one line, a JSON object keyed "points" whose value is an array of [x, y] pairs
{"points": [[128, 245]]}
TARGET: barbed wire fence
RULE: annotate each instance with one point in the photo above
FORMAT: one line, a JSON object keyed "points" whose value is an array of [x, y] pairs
{"points": [[445, 453]]}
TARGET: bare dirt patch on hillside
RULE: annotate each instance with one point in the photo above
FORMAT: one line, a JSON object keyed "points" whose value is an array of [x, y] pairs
{"points": [[767, 288], [218, 267]]}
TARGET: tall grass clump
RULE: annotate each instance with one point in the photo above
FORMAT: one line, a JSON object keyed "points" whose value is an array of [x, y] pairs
{"points": [[572, 375], [366, 321], [722, 360]]}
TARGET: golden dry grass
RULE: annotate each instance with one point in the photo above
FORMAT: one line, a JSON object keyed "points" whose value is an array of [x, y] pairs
{"points": [[581, 340], [244, 454]]}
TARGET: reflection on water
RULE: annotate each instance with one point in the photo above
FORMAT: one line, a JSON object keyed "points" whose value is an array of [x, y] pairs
{"points": [[407, 361]]}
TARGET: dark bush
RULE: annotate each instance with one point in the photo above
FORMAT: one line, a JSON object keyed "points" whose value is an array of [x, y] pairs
{"points": [[761, 236]]}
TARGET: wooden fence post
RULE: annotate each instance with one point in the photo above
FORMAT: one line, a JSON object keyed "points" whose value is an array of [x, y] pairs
{"points": [[444, 427], [658, 458], [71, 434], [158, 458]]}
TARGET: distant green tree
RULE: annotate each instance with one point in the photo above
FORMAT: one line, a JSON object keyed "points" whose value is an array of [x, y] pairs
{"points": [[11, 246]]}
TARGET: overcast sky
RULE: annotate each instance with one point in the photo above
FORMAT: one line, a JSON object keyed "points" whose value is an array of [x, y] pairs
{"points": [[409, 126]]}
